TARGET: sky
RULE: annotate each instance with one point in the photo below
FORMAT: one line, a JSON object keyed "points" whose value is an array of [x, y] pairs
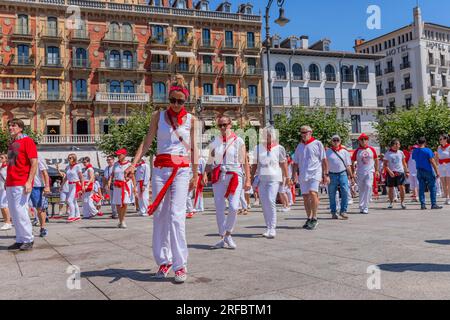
{"points": [[346, 20]]}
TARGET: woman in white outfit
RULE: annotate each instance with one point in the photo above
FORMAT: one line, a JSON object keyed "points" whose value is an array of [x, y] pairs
{"points": [[444, 166], [63, 194], [272, 170], [74, 178], [229, 161], [142, 182], [89, 209], [175, 130], [3, 202], [124, 184]]}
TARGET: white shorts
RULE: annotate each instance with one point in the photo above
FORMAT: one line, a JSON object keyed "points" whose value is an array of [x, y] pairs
{"points": [[444, 170], [3, 201], [311, 185], [283, 188]]}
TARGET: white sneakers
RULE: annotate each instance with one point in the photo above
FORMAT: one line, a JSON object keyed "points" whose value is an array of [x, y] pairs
{"points": [[447, 202], [6, 226], [122, 225], [220, 244], [270, 234], [229, 241], [285, 209]]}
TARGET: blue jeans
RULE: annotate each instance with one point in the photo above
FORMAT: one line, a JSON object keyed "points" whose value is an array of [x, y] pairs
{"points": [[427, 178], [336, 180]]}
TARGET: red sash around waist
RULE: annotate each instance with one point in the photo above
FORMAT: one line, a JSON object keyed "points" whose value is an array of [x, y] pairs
{"points": [[444, 161], [234, 183], [125, 188], [199, 189], [88, 187], [141, 185], [167, 161], [78, 188]]}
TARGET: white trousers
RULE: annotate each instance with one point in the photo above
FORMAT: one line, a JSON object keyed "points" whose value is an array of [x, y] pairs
{"points": [[18, 208], [113, 207], [74, 209], [289, 195], [144, 199], [200, 205], [414, 182], [89, 209], [365, 186], [190, 203], [226, 223], [244, 204], [169, 220], [268, 191]]}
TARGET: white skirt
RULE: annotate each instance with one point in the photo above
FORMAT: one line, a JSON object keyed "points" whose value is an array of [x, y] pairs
{"points": [[444, 170], [127, 199]]}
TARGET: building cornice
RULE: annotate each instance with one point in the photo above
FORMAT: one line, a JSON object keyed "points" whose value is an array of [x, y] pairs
{"points": [[387, 35], [329, 54]]}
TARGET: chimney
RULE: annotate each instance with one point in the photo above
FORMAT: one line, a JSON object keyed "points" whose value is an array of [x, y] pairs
{"points": [[359, 42], [304, 42], [418, 23]]}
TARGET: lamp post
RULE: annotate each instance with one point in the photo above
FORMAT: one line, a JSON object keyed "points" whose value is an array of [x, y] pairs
{"points": [[281, 21]]}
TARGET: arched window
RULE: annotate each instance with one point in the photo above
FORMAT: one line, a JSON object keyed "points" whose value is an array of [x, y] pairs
{"points": [[347, 74], [105, 126], [114, 86], [280, 70], [127, 32], [52, 27], [82, 126], [159, 92], [297, 71], [53, 56], [114, 59], [128, 87], [121, 122], [114, 31], [80, 57], [314, 74], [127, 60], [362, 74], [330, 72]]}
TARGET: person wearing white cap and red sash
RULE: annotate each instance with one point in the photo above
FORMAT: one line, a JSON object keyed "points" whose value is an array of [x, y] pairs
{"points": [[124, 184], [75, 179], [174, 129], [143, 181], [89, 209], [228, 158], [367, 169], [444, 165]]}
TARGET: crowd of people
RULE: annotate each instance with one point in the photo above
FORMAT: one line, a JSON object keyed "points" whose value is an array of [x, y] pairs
{"points": [[178, 175]]}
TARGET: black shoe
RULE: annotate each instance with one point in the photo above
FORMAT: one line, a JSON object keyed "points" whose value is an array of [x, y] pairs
{"points": [[313, 224], [423, 207], [306, 225], [43, 233], [436, 207], [15, 246], [26, 246], [334, 216]]}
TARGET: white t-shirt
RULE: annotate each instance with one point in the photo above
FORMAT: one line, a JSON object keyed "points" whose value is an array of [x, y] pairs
{"points": [[119, 170], [231, 161], [86, 173], [3, 172], [395, 161], [269, 162], [107, 172], [39, 178], [444, 153], [143, 173], [309, 159], [335, 164], [72, 173], [365, 159]]}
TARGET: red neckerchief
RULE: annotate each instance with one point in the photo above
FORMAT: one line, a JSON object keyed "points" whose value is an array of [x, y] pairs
{"points": [[180, 115], [337, 149], [88, 166], [71, 166], [140, 164], [124, 163], [393, 151], [309, 141], [4, 165], [270, 146], [225, 139], [446, 146]]}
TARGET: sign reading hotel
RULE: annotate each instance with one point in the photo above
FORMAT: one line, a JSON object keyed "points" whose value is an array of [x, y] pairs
{"points": [[395, 51], [438, 45]]}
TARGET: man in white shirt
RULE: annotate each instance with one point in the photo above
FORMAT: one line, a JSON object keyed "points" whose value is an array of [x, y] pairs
{"points": [[311, 168], [107, 188], [41, 186], [339, 163], [397, 172], [143, 181]]}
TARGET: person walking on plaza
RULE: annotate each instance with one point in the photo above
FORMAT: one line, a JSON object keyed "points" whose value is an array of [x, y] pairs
{"points": [[124, 184], [271, 167], [74, 177], [397, 172], [89, 209], [413, 181], [367, 168], [63, 194], [41, 186], [339, 163], [427, 172], [108, 188], [175, 130], [444, 166], [311, 168], [22, 167], [143, 183], [201, 184], [97, 195], [3, 202], [229, 165]]}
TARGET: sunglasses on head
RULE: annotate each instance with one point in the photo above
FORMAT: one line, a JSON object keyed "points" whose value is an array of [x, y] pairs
{"points": [[177, 101]]}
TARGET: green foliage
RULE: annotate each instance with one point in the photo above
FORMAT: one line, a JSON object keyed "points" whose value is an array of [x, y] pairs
{"points": [[129, 135], [5, 138], [325, 124], [425, 120]]}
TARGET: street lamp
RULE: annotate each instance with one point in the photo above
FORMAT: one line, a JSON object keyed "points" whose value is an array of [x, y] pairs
{"points": [[281, 21]]}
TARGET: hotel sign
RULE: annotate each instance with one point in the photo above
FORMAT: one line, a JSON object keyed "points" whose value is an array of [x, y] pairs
{"points": [[398, 50], [438, 45]]}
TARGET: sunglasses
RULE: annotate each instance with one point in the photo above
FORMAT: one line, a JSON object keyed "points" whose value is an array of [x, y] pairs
{"points": [[223, 125], [177, 101], [304, 132], [442, 139], [336, 140]]}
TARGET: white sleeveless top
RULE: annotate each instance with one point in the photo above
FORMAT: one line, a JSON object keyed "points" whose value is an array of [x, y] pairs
{"points": [[444, 153], [168, 141], [86, 173]]}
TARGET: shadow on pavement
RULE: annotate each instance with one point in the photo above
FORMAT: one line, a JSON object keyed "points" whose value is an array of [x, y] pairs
{"points": [[257, 235], [117, 274], [98, 227], [201, 247], [442, 242], [278, 227], [416, 267]]}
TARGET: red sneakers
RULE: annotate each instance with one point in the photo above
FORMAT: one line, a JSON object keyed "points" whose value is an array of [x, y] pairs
{"points": [[163, 271], [73, 219], [190, 215], [100, 214]]}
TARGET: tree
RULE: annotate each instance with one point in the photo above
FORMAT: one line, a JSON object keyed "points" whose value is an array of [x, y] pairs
{"points": [[425, 120], [325, 124], [129, 135], [5, 138]]}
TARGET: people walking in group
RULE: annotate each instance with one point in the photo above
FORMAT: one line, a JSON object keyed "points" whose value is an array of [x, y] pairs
{"points": [[74, 177], [427, 172], [7, 225], [311, 169], [444, 166], [89, 209], [339, 162], [107, 187], [397, 172]]}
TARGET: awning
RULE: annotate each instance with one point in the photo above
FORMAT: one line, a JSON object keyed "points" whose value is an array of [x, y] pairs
{"points": [[16, 76], [250, 56], [53, 122], [181, 26], [158, 24], [183, 54], [161, 52], [229, 55], [207, 54], [255, 123]]}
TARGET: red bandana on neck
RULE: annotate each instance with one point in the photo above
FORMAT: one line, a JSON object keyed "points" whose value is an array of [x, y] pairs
{"points": [[446, 146], [392, 150], [309, 141], [124, 163], [337, 149], [269, 146], [225, 139], [72, 165], [88, 166], [4, 165], [178, 115]]}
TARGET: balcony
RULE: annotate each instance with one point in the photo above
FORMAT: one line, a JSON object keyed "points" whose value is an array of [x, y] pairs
{"points": [[405, 65], [229, 45], [348, 78], [82, 64], [119, 38], [444, 64], [22, 32], [232, 71], [378, 73], [407, 86], [119, 65], [184, 68], [76, 139], [79, 35], [160, 99], [183, 43], [163, 67], [433, 62], [81, 97], [391, 90], [51, 62], [252, 47], [51, 33], [112, 97], [435, 85], [206, 45], [251, 71], [209, 70], [380, 93], [254, 101], [222, 100], [159, 42], [22, 62], [389, 70], [362, 78], [52, 96], [17, 95]]}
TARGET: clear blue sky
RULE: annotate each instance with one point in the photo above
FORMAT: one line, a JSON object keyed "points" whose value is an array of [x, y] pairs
{"points": [[342, 21]]}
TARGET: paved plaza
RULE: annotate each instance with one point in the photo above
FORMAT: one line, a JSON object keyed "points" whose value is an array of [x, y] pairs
{"points": [[411, 248]]}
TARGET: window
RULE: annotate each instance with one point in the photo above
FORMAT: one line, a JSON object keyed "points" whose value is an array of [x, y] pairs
{"points": [[207, 64], [408, 102], [229, 39], [22, 24], [278, 98], [347, 74], [23, 84], [208, 89], [280, 70], [114, 31], [252, 94], [330, 73], [354, 97], [182, 35], [80, 89], [183, 64], [330, 99], [379, 89], [356, 123], [127, 32], [114, 87], [181, 4], [114, 59], [53, 56], [127, 60], [159, 92], [231, 90], [229, 65], [52, 26], [314, 74], [297, 71], [251, 40], [206, 37], [23, 54], [80, 57], [362, 74], [128, 87], [82, 126], [251, 65], [226, 8], [304, 96], [158, 34], [52, 89], [204, 6]]}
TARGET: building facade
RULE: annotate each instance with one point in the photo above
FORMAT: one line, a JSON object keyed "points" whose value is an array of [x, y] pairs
{"points": [[415, 64], [67, 65], [315, 76]]}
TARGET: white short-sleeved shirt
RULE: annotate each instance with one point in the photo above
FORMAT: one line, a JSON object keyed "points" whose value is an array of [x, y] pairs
{"points": [[395, 161], [143, 173], [3, 172], [335, 164], [107, 172], [119, 170], [72, 173], [269, 162], [86, 173], [309, 158], [231, 161], [39, 178], [365, 159]]}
